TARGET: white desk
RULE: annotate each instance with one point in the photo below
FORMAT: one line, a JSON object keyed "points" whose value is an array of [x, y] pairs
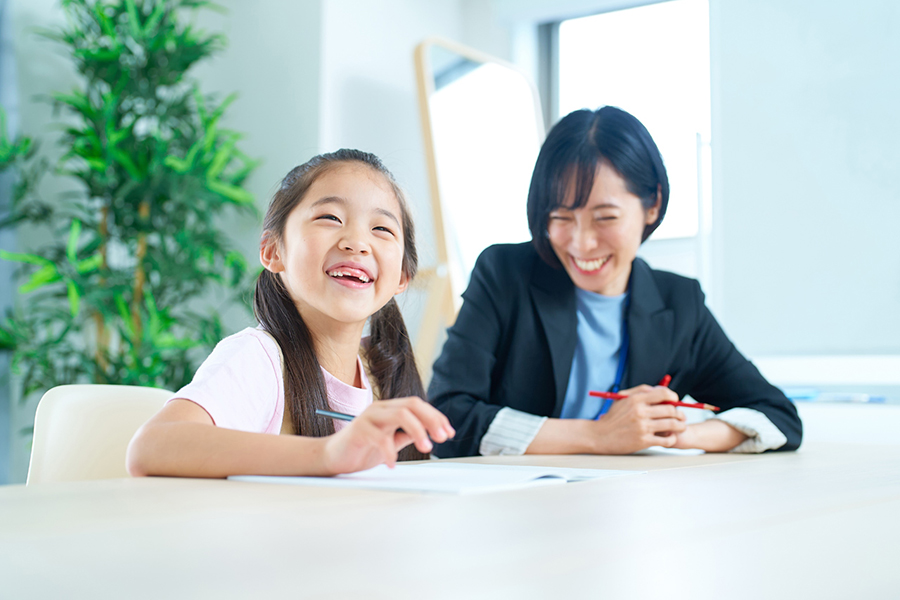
{"points": [[820, 523]]}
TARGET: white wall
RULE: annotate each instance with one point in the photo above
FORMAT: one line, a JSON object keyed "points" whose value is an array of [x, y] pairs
{"points": [[9, 101], [272, 62], [806, 165], [40, 70]]}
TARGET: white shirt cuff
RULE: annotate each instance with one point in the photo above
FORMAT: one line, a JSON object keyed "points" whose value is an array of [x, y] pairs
{"points": [[510, 433], [763, 435]]}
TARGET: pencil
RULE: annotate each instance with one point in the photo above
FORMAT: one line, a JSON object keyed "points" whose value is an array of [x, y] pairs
{"points": [[692, 405], [339, 415], [615, 396], [334, 415], [607, 395]]}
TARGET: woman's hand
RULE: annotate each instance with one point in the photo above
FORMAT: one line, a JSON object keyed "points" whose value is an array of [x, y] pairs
{"points": [[712, 435], [639, 421], [374, 437]]}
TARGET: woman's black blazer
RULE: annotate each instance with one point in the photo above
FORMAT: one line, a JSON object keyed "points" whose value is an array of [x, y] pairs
{"points": [[514, 340]]}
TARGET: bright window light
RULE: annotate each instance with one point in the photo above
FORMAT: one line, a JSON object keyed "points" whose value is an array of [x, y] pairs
{"points": [[652, 61]]}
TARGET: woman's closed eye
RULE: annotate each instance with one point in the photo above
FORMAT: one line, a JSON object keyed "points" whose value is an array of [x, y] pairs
{"points": [[328, 217]]}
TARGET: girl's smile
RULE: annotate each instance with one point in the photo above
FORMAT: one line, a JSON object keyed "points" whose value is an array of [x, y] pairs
{"points": [[350, 274], [341, 254]]}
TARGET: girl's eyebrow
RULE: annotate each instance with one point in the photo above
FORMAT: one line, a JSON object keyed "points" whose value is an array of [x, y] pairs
{"points": [[328, 200], [343, 202], [388, 214]]}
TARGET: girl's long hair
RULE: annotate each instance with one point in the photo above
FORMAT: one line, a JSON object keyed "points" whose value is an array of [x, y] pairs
{"points": [[388, 350]]}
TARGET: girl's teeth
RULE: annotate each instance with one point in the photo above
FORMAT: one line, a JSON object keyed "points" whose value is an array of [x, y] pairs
{"points": [[362, 278]]}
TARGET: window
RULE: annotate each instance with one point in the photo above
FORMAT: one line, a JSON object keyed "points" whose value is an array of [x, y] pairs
{"points": [[652, 61]]}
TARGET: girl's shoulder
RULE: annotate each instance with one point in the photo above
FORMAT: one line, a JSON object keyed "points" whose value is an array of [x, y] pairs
{"points": [[251, 341], [240, 384]]}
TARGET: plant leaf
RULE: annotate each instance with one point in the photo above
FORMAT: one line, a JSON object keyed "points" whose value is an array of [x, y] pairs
{"points": [[43, 276], [231, 192], [90, 264], [134, 21], [74, 297], [72, 245], [32, 259]]}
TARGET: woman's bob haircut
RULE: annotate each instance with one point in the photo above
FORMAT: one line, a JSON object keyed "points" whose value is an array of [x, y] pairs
{"points": [[574, 149]]}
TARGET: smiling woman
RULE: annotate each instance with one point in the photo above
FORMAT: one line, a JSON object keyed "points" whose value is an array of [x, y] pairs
{"points": [[597, 241], [544, 323]]}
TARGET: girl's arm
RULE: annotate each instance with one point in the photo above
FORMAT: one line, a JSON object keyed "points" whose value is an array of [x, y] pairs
{"points": [[181, 440]]}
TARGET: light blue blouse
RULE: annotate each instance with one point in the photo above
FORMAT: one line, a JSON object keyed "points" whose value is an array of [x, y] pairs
{"points": [[596, 358]]}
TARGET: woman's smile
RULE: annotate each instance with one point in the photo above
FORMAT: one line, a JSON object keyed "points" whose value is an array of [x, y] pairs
{"points": [[597, 242], [590, 267]]}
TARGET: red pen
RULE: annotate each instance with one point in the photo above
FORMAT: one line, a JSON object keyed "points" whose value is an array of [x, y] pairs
{"points": [[614, 396], [665, 382]]}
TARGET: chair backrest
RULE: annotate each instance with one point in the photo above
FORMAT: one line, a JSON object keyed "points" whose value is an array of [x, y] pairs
{"points": [[82, 431]]}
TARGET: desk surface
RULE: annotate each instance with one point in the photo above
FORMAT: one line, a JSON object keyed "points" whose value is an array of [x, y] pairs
{"points": [[823, 522]]}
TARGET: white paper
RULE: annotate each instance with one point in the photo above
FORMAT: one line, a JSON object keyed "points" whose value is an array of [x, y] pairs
{"points": [[446, 477]]}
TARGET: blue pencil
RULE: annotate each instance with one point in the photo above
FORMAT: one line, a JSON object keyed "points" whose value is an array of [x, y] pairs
{"points": [[334, 415]]}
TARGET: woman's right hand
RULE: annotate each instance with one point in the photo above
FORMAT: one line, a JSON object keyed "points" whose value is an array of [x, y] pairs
{"points": [[639, 421], [375, 436]]}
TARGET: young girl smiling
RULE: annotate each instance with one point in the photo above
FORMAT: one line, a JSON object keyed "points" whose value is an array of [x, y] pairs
{"points": [[337, 245]]}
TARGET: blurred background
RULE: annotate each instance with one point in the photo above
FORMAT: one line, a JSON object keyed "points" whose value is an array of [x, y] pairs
{"points": [[776, 118]]}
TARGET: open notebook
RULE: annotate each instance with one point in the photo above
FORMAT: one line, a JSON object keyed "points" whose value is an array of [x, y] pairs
{"points": [[445, 477]]}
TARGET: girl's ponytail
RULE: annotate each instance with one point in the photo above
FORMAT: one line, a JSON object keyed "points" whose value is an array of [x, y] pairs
{"points": [[304, 385], [392, 364], [390, 355]]}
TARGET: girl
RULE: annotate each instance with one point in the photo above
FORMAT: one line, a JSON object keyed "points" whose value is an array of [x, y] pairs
{"points": [[337, 245]]}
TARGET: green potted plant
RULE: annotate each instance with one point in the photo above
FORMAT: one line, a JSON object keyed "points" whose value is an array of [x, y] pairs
{"points": [[130, 287]]}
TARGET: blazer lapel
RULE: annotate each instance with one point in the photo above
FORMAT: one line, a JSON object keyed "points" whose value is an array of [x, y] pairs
{"points": [[554, 300], [650, 327]]}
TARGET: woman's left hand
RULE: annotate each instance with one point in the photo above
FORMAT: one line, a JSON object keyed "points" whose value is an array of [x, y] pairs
{"points": [[713, 435]]}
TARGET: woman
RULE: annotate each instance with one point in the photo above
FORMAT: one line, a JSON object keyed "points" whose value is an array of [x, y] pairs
{"points": [[543, 323]]}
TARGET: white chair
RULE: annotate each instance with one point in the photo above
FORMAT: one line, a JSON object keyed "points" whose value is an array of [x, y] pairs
{"points": [[82, 431]]}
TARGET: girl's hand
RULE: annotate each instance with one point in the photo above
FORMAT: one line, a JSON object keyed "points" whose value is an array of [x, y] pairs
{"points": [[374, 437], [640, 421]]}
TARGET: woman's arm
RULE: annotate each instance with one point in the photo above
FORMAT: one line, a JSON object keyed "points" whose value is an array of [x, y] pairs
{"points": [[712, 435], [722, 376], [182, 441]]}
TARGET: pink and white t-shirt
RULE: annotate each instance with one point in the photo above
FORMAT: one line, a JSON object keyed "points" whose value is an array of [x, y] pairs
{"points": [[241, 385]]}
